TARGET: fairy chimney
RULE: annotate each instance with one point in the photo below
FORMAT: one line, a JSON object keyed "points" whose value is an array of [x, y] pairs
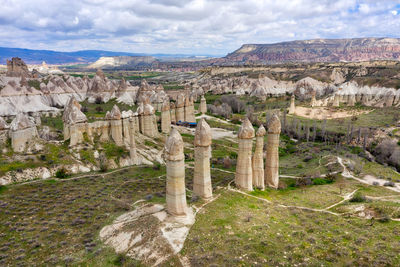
{"points": [[202, 152], [244, 171]]}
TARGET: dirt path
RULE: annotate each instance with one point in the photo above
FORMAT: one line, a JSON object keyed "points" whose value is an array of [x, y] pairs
{"points": [[321, 113], [369, 178]]}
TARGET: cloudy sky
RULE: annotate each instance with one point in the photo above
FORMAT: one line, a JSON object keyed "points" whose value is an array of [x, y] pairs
{"points": [[188, 26]]}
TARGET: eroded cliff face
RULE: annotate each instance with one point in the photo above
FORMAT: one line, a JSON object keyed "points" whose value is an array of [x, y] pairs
{"points": [[350, 82], [52, 92], [318, 50]]}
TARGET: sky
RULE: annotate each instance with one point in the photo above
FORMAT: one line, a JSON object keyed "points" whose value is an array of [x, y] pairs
{"points": [[212, 27]]}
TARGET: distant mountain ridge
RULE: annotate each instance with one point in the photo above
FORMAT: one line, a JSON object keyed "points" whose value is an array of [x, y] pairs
{"points": [[31, 56], [318, 50]]}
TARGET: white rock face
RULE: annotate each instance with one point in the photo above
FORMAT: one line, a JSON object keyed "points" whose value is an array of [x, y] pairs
{"points": [[54, 91], [23, 130], [148, 234]]}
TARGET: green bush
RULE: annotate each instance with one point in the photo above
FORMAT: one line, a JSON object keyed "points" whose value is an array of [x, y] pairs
{"points": [[112, 150], [358, 197], [62, 173], [2, 188], [321, 181]]}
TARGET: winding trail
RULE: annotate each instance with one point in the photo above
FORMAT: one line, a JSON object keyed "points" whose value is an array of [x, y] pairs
{"points": [[346, 173]]}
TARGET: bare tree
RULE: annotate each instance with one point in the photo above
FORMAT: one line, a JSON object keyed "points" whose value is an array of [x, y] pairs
{"points": [[314, 131], [324, 130], [307, 132]]}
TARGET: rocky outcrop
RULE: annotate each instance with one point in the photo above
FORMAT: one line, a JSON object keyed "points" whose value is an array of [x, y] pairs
{"points": [[72, 115], [23, 131], [101, 89], [16, 67], [4, 128], [258, 159], [176, 190], [272, 159], [202, 153], [126, 93], [244, 170]]}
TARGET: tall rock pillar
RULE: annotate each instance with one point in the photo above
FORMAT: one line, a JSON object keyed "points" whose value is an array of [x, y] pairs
{"points": [[272, 160], [313, 100], [352, 100], [165, 118], [202, 152], [180, 108], [292, 108], [132, 143], [172, 109], [176, 191], [189, 109], [203, 105], [258, 160], [336, 101], [115, 118], [244, 172]]}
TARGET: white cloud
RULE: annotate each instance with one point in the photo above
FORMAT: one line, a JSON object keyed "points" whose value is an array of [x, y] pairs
{"points": [[188, 26]]}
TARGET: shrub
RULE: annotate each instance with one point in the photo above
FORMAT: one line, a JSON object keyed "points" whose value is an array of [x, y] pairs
{"points": [[384, 219], [358, 197], [62, 173], [157, 166], [391, 184], [321, 181], [331, 177], [98, 100], [282, 185], [303, 182]]}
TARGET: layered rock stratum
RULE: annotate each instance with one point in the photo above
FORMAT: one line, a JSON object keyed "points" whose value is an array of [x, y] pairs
{"points": [[318, 50]]}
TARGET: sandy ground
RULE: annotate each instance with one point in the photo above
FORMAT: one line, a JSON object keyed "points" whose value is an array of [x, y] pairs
{"points": [[321, 113]]}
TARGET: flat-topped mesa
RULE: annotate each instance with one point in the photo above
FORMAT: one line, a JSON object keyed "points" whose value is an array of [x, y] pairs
{"points": [[272, 159], [172, 111], [176, 191], [16, 67], [313, 99], [202, 186], [180, 108], [336, 101], [189, 109], [258, 160], [203, 105], [115, 118], [165, 117], [292, 108], [244, 172], [23, 129]]}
